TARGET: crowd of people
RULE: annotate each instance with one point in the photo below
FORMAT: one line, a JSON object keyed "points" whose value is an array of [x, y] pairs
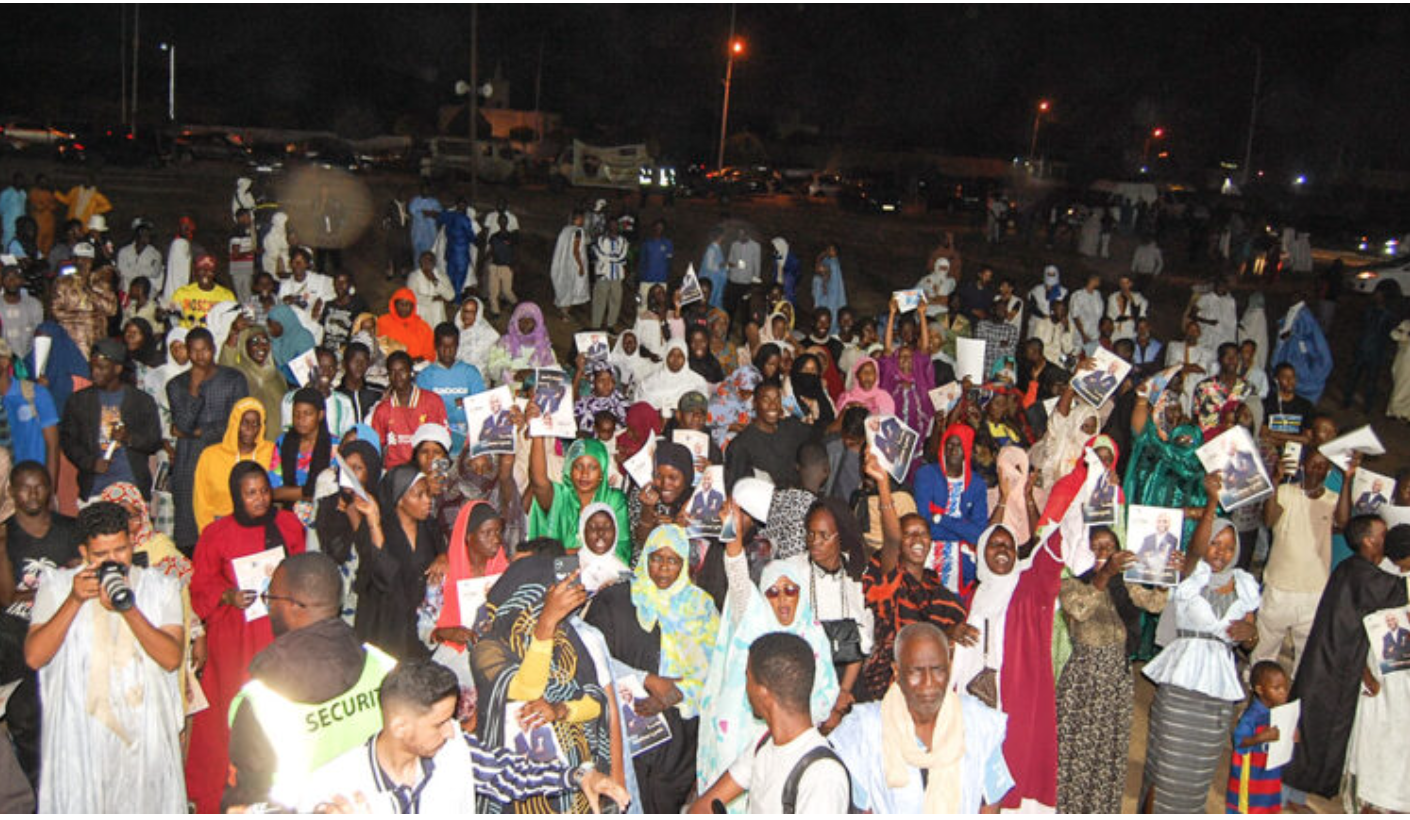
{"points": [[265, 549]]}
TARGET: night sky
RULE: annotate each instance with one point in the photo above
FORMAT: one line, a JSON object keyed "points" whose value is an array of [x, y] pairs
{"points": [[954, 79]]}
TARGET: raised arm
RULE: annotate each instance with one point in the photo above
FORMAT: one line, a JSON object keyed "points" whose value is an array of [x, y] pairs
{"points": [[1199, 541]]}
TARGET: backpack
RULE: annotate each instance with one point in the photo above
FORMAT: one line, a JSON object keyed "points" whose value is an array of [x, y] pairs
{"points": [[795, 776]]}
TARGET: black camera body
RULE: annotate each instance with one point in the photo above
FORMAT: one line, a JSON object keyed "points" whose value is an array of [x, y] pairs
{"points": [[112, 577]]}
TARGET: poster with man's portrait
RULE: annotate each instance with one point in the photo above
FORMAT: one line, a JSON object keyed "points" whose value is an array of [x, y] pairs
{"points": [[1152, 534], [893, 442], [488, 423], [1370, 491], [1096, 384], [1389, 631], [1235, 457]]}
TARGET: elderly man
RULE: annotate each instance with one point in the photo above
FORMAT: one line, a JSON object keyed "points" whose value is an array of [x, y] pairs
{"points": [[924, 748]]}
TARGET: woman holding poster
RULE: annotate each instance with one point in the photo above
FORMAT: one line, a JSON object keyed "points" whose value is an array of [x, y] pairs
{"points": [[223, 599]]}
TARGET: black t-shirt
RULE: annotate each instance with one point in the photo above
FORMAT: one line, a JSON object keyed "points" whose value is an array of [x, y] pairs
{"points": [[774, 453], [30, 555], [338, 321], [1283, 414]]}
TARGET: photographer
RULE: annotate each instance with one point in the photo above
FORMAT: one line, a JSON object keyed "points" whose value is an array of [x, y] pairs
{"points": [[107, 677]]}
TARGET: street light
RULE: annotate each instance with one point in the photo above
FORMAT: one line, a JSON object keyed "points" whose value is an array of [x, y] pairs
{"points": [[1155, 134], [1043, 107], [736, 49], [170, 49]]}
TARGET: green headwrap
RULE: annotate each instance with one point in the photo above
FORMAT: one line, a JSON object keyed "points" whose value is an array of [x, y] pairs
{"points": [[561, 521]]}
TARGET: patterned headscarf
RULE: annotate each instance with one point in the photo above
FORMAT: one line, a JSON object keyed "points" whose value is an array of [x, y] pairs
{"points": [[124, 493], [686, 614], [729, 405]]}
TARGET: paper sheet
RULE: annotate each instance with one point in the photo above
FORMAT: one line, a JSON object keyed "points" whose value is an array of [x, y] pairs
{"points": [[1284, 719], [969, 360]]}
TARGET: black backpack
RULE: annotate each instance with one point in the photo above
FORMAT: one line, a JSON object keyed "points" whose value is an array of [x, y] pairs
{"points": [[790, 786]]}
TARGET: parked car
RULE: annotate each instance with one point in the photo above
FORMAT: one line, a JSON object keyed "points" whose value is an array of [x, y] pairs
{"points": [[117, 146], [735, 181], [21, 134], [212, 146], [872, 192], [1370, 277]]}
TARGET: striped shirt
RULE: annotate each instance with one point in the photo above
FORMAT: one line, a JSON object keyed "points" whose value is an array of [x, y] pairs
{"points": [[1253, 788]]}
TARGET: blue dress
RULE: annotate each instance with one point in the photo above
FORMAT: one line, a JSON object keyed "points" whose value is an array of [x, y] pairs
{"points": [[836, 296], [423, 228], [460, 234]]}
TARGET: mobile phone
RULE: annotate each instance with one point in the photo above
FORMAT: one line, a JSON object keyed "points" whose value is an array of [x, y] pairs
{"points": [[563, 566]]}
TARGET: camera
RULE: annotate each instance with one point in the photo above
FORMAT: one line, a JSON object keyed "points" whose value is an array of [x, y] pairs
{"points": [[112, 577]]}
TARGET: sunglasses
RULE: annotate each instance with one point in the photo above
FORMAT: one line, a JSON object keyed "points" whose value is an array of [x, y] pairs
{"points": [[789, 591]]}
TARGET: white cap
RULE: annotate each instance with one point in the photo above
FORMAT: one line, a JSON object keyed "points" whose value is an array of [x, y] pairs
{"points": [[438, 433], [98, 222], [83, 250], [755, 496]]}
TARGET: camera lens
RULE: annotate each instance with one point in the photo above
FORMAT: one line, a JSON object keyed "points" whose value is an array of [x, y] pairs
{"points": [[112, 577]]}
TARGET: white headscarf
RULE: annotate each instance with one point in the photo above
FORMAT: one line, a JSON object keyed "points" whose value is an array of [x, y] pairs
{"points": [[276, 242], [597, 571], [663, 388], [988, 613], [477, 339], [157, 377], [632, 368]]}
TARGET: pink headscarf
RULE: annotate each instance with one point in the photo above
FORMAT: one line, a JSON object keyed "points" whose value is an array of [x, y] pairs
{"points": [[875, 400]]}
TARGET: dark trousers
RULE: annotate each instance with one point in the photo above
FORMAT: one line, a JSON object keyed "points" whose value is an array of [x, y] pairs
{"points": [[737, 303]]}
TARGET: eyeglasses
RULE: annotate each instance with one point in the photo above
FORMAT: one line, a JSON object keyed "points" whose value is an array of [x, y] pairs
{"points": [[265, 598], [789, 591], [820, 537]]}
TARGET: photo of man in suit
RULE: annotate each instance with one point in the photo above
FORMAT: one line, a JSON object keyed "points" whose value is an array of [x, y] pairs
{"points": [[1372, 500], [497, 431], [708, 501], [1395, 646]]}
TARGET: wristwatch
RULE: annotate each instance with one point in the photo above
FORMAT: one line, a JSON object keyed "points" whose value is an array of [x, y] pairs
{"points": [[578, 775]]}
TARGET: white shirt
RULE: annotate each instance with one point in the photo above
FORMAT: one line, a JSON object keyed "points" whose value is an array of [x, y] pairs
{"points": [[1086, 312], [315, 288], [1059, 340], [148, 263], [1125, 328], [429, 295], [823, 789], [839, 598], [744, 262], [1224, 312], [1147, 259]]}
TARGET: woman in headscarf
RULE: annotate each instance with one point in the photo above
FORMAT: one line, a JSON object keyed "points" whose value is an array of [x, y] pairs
{"points": [[1163, 469], [531, 662], [395, 548], [643, 425], [556, 507], [672, 379], [289, 339], [488, 478], [1071, 424], [1011, 500], [721, 346], [404, 328], [301, 454], [662, 627], [173, 364], [477, 335], [233, 638], [836, 560], [598, 563], [339, 521], [476, 550], [1095, 690], [1196, 675], [779, 604], [778, 327], [66, 369], [806, 387], [524, 346], [659, 323], [701, 359], [632, 366], [604, 396], [732, 404], [143, 348], [864, 389], [906, 373], [663, 500], [224, 319], [266, 384], [244, 441]]}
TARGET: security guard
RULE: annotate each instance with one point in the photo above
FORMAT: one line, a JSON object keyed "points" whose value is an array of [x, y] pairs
{"points": [[313, 692]]}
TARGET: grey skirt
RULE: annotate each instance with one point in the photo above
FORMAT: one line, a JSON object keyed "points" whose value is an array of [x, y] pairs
{"points": [[1188, 734]]}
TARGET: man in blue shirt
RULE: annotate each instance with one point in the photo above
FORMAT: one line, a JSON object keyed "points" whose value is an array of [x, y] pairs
{"points": [[30, 423], [460, 236], [424, 210], [712, 267], [451, 380], [654, 267]]}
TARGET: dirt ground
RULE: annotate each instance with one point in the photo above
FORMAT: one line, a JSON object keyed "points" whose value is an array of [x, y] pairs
{"points": [[879, 253]]}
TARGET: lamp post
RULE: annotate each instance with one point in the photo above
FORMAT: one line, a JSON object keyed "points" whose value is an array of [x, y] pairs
{"points": [[170, 49], [1043, 107], [736, 48], [1155, 134]]}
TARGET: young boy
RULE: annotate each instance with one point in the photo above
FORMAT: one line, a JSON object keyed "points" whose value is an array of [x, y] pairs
{"points": [[1253, 788]]}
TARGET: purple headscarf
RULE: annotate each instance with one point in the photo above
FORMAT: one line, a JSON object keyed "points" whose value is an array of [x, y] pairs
{"points": [[537, 340]]}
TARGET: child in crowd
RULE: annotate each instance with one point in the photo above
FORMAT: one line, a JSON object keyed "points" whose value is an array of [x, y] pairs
{"points": [[1253, 787]]}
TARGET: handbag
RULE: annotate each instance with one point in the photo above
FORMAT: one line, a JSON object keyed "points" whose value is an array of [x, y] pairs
{"points": [[844, 636], [985, 685]]}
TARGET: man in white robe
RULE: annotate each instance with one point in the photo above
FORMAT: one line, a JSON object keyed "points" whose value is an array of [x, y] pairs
{"points": [[108, 680], [570, 267], [1218, 315]]}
